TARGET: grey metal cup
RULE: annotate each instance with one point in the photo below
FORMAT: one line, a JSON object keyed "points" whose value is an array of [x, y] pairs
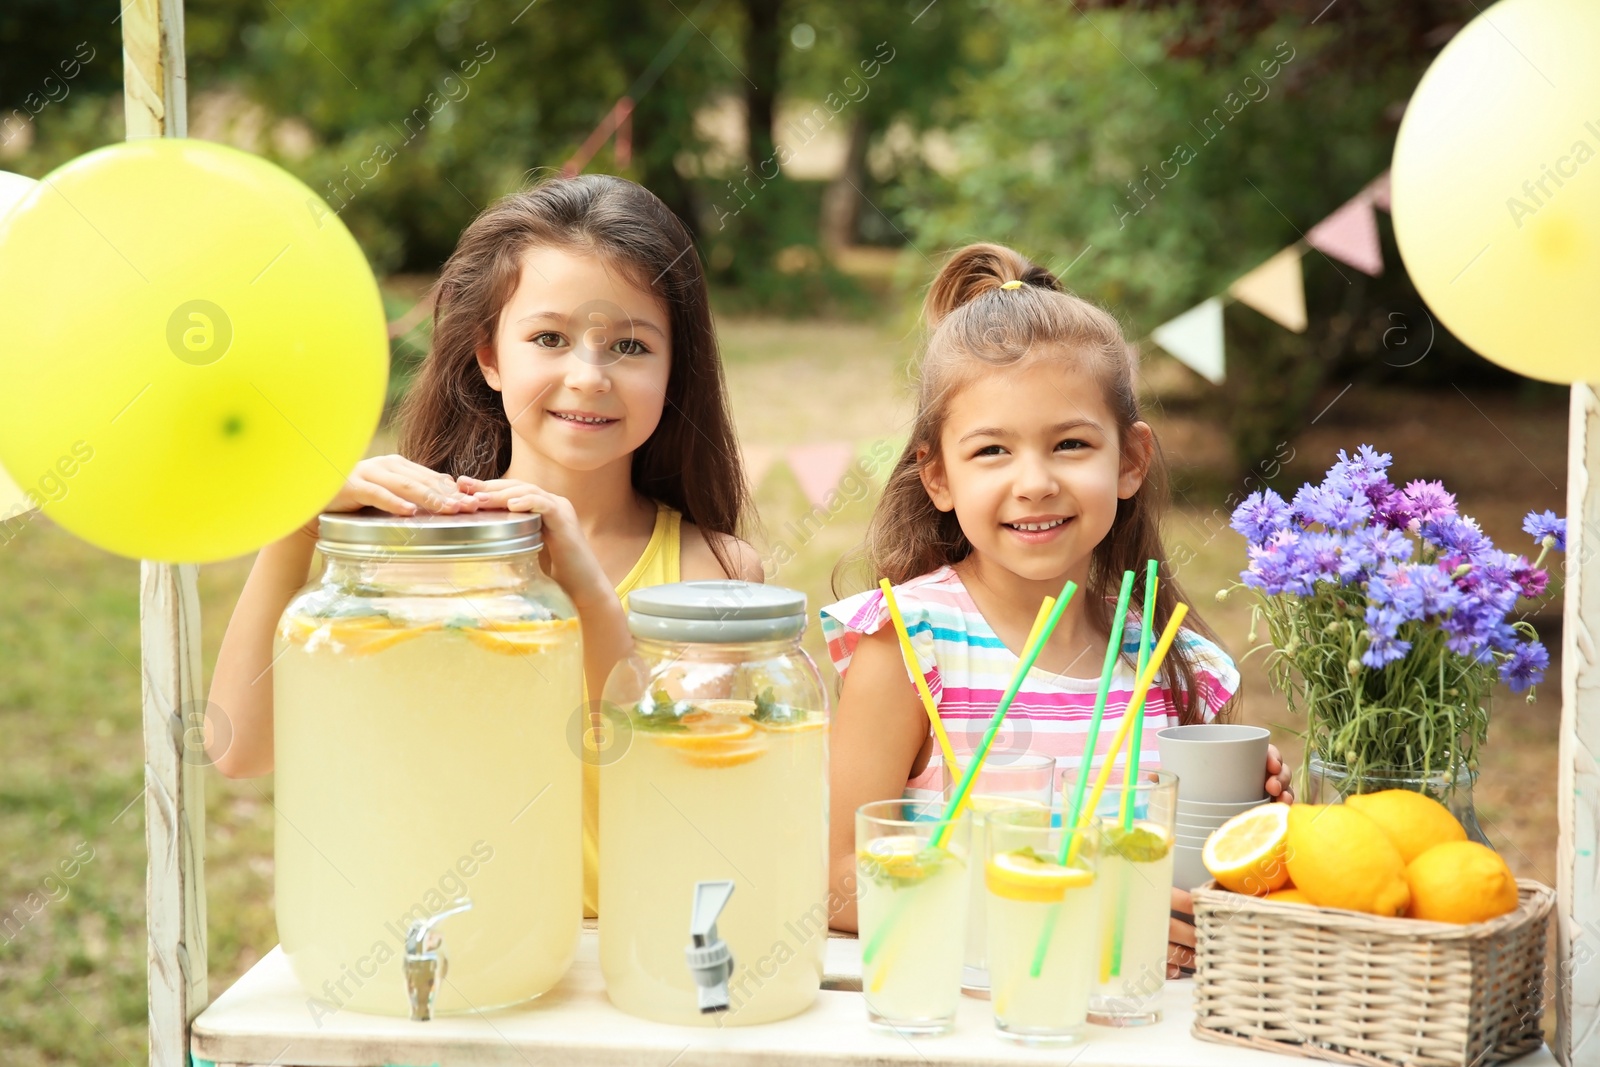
{"points": [[1216, 763]]}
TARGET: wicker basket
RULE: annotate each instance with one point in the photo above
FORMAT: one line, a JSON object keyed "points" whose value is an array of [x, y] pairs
{"points": [[1352, 988]]}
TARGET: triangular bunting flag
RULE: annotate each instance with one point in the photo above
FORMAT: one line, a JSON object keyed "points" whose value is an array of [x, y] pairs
{"points": [[1378, 191], [1195, 338], [757, 461], [1276, 289], [1350, 235], [818, 467]]}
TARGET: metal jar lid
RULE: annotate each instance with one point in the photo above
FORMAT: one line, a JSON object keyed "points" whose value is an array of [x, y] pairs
{"points": [[722, 612], [373, 534]]}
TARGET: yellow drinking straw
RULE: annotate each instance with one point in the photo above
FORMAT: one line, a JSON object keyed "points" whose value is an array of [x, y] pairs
{"points": [[916, 672], [1038, 622], [870, 950], [1080, 817]]}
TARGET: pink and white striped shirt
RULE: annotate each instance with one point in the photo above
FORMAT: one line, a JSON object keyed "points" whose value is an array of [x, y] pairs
{"points": [[968, 668]]}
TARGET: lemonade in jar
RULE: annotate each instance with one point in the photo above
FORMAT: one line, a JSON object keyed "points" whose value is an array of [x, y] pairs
{"points": [[713, 787], [427, 795]]}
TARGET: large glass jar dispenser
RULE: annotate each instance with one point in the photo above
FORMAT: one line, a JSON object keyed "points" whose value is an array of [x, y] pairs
{"points": [[428, 800]]}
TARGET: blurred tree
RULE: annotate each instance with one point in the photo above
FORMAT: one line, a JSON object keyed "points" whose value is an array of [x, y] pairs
{"points": [[423, 111], [1154, 152]]}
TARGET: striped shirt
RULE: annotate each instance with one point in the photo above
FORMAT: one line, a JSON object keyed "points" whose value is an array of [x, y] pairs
{"points": [[968, 669]]}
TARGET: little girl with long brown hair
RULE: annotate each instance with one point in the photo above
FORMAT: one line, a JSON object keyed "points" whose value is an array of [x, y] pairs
{"points": [[1027, 464], [573, 372]]}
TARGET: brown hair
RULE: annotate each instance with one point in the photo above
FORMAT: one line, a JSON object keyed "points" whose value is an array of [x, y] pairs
{"points": [[974, 325], [454, 422]]}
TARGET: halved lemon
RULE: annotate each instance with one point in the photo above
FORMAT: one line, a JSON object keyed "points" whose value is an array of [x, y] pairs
{"points": [[1248, 853], [1024, 876]]}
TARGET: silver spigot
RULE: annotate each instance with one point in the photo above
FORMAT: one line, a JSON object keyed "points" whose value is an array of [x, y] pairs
{"points": [[710, 959], [426, 962]]}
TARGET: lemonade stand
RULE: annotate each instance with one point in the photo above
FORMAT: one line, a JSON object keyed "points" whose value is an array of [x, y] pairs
{"points": [[727, 734]]}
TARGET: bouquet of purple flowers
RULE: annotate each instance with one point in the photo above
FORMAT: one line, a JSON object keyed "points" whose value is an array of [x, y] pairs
{"points": [[1391, 615]]}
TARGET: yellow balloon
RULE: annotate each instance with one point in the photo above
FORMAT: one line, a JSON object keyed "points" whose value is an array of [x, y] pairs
{"points": [[196, 354], [13, 501], [1495, 187]]}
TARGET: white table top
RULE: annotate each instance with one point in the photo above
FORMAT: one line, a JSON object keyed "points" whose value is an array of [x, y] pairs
{"points": [[263, 1019]]}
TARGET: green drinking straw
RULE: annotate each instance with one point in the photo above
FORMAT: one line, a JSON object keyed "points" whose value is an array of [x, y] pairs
{"points": [[1135, 751], [982, 752], [1135, 708], [1113, 650], [1146, 634]]}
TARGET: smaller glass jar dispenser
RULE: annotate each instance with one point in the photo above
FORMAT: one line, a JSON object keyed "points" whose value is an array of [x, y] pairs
{"points": [[713, 809]]}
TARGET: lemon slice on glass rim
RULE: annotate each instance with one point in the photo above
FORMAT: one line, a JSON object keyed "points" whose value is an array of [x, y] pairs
{"points": [[1024, 876]]}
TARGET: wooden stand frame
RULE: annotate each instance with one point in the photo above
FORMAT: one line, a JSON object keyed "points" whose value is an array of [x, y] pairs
{"points": [[155, 100], [155, 95], [1577, 985]]}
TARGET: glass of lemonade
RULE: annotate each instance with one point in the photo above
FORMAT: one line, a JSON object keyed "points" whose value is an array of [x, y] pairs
{"points": [[911, 903], [1006, 780], [716, 773], [1136, 821], [422, 688], [1041, 964]]}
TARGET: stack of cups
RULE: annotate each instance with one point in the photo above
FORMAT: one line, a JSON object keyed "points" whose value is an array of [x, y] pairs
{"points": [[1222, 771]]}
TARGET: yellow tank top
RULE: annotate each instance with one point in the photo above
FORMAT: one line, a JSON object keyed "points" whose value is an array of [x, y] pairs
{"points": [[657, 565]]}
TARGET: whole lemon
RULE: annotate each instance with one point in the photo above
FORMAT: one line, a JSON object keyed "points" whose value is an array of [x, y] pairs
{"points": [[1339, 858], [1290, 895], [1415, 822], [1460, 882]]}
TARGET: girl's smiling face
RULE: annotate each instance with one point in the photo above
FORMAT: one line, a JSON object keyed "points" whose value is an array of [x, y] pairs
{"points": [[1032, 467], [580, 358]]}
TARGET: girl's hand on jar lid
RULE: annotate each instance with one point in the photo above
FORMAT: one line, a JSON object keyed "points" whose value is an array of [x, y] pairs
{"points": [[572, 562], [400, 487]]}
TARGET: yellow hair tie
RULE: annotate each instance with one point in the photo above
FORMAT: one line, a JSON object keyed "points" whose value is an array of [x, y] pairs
{"points": [[1013, 284]]}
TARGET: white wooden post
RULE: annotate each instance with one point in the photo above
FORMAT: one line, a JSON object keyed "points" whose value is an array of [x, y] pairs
{"points": [[155, 99], [1577, 987]]}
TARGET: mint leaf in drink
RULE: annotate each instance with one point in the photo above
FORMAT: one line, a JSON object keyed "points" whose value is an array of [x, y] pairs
{"points": [[902, 870], [660, 713], [1137, 844], [768, 710]]}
